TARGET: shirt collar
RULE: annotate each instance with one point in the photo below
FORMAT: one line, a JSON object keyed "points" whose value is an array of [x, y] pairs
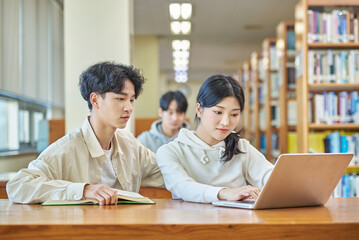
{"points": [[92, 142]]}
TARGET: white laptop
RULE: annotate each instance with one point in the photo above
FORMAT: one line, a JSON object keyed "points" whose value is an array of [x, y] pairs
{"points": [[298, 180]]}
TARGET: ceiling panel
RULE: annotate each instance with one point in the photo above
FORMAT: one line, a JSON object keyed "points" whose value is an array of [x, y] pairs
{"points": [[224, 32]]}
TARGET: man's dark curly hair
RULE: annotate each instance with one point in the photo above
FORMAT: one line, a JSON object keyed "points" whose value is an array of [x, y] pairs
{"points": [[108, 77]]}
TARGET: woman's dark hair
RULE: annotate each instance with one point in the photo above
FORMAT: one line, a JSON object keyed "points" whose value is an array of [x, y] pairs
{"points": [[167, 98], [108, 77], [212, 91]]}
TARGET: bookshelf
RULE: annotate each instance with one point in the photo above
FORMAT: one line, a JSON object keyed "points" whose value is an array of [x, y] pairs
{"points": [[256, 83], [246, 84], [327, 69], [270, 97], [286, 74]]}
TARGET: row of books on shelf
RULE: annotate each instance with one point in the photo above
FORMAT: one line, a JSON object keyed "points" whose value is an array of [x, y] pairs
{"points": [[290, 42], [273, 58], [342, 143], [333, 66], [262, 144], [274, 80], [338, 25], [332, 108], [348, 186], [274, 147], [329, 142], [274, 116], [262, 93]]}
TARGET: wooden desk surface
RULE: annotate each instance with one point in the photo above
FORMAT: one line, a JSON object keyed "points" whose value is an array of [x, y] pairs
{"points": [[174, 219]]}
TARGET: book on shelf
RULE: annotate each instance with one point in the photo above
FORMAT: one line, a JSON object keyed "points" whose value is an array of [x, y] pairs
{"points": [[290, 43], [292, 142], [274, 80], [275, 145], [275, 115], [292, 112], [124, 197], [262, 143], [291, 75], [274, 63], [262, 119]]}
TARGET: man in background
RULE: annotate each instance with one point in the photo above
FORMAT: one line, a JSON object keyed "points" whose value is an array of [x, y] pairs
{"points": [[173, 107]]}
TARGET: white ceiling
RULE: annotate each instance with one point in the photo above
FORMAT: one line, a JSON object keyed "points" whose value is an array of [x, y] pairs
{"points": [[224, 32]]}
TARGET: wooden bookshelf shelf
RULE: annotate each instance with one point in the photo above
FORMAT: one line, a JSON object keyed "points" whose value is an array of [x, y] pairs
{"points": [[275, 129], [347, 127], [290, 59], [333, 87], [335, 3], [353, 167], [317, 45], [292, 128]]}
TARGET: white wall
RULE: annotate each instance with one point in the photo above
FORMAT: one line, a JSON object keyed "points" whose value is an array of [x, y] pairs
{"points": [[146, 57], [16, 162], [95, 30]]}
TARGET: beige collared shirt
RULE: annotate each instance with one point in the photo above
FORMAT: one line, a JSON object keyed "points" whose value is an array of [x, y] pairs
{"points": [[62, 170]]}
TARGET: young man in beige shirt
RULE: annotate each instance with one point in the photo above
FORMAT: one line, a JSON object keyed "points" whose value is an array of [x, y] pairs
{"points": [[94, 160]]}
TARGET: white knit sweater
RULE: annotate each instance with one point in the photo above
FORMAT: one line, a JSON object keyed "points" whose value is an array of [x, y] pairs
{"points": [[192, 169]]}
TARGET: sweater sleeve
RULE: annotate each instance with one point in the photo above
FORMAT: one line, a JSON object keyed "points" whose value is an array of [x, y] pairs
{"points": [[151, 173], [258, 167], [179, 182], [39, 183]]}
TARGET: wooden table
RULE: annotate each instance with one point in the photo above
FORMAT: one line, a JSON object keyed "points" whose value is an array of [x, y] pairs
{"points": [[174, 219], [3, 194]]}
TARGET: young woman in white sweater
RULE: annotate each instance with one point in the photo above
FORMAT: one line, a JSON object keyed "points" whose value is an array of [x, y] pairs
{"points": [[213, 162]]}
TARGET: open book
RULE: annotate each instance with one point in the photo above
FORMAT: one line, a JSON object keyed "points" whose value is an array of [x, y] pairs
{"points": [[124, 197]]}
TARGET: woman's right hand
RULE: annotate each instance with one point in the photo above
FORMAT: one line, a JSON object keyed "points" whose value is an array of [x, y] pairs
{"points": [[235, 194]]}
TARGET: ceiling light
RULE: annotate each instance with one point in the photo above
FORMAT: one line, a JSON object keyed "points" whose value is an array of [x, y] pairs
{"points": [[176, 27], [185, 27], [180, 62], [181, 78], [180, 54], [181, 44], [176, 44], [175, 10], [186, 10], [178, 68], [186, 44]]}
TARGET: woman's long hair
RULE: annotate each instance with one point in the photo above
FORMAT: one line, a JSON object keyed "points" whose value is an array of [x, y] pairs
{"points": [[212, 91]]}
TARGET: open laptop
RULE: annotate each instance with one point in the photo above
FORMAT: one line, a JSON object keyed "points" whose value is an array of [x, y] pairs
{"points": [[298, 180]]}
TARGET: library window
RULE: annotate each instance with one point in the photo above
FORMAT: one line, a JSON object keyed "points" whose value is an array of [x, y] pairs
{"points": [[21, 124]]}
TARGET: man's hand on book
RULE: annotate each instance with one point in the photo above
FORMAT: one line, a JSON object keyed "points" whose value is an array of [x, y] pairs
{"points": [[102, 193]]}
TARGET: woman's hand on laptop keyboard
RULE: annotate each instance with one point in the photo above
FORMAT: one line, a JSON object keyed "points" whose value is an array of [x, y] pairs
{"points": [[235, 194]]}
